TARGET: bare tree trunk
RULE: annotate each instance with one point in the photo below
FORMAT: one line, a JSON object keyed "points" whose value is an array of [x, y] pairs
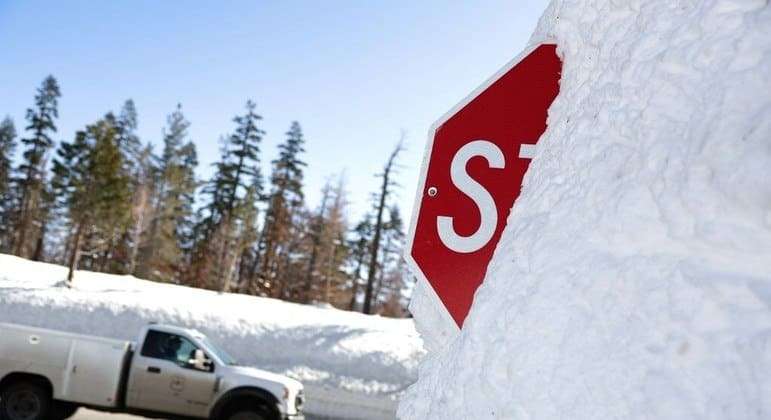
{"points": [[40, 244], [268, 258], [381, 273], [378, 288], [109, 250], [375, 249], [277, 283], [223, 282], [136, 233], [356, 278], [75, 255], [230, 268], [328, 275], [309, 273], [21, 236]]}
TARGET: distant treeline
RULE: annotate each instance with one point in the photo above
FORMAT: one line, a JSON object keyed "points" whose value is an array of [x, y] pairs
{"points": [[107, 201]]}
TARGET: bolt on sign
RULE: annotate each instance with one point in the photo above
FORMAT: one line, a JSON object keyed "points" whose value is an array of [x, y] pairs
{"points": [[475, 160]]}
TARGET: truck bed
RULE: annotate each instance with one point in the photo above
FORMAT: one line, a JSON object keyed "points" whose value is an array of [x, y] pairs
{"points": [[82, 368]]}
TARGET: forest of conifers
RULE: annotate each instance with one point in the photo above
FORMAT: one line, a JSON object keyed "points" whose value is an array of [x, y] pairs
{"points": [[107, 201]]}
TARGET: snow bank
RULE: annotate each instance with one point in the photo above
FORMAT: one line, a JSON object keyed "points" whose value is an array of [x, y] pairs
{"points": [[633, 279], [353, 366]]}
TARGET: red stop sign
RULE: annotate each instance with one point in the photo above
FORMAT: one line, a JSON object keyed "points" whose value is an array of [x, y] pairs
{"points": [[476, 157]]}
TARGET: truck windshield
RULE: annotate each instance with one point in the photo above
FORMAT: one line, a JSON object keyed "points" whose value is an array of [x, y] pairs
{"points": [[219, 353]]}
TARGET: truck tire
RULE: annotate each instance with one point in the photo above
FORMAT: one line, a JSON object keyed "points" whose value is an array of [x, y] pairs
{"points": [[25, 401], [62, 410], [247, 415]]}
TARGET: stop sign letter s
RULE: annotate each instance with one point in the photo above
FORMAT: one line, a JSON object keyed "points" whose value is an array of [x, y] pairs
{"points": [[476, 158], [481, 197]]}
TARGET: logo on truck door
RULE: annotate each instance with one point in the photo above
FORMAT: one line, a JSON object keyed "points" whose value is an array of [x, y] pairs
{"points": [[177, 384]]}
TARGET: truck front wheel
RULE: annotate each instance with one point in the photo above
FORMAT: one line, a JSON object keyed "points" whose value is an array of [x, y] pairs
{"points": [[247, 415], [62, 410], [24, 401]]}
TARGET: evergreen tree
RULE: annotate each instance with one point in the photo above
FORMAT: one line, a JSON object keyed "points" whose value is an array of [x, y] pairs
{"points": [[30, 182], [359, 244], [113, 257], [185, 190], [239, 168], [288, 167], [284, 204], [233, 192], [389, 279], [163, 253], [7, 149], [126, 123], [91, 186], [139, 167]]}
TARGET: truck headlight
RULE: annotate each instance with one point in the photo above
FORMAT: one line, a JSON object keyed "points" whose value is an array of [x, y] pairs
{"points": [[299, 401]]}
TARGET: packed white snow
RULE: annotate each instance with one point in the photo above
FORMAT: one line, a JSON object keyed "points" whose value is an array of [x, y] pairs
{"points": [[352, 365], [633, 279]]}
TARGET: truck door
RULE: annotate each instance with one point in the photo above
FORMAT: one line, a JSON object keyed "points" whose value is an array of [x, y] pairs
{"points": [[164, 379]]}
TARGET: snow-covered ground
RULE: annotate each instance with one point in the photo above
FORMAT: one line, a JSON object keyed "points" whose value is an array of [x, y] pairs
{"points": [[84, 414], [353, 366], [633, 279]]}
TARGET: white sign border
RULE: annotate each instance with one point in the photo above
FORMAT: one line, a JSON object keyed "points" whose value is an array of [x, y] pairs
{"points": [[421, 277]]}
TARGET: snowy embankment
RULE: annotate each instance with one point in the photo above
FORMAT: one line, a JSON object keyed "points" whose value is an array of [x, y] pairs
{"points": [[353, 366], [633, 279]]}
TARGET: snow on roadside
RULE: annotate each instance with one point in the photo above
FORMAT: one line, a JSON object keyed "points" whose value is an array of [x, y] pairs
{"points": [[633, 279], [353, 365]]}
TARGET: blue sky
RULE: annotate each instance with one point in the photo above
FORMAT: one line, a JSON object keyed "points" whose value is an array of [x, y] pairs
{"points": [[353, 73]]}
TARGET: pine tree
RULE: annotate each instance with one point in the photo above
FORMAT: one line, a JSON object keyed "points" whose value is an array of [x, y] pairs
{"points": [[390, 279], [239, 169], [91, 186], [359, 244], [126, 125], [231, 208], [30, 182], [113, 257], [163, 253], [129, 145], [7, 149], [139, 166], [185, 190], [284, 204]]}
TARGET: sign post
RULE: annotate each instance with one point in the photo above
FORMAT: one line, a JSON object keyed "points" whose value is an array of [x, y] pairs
{"points": [[476, 158]]}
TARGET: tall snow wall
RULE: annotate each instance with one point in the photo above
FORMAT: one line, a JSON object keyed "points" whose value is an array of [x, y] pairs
{"points": [[633, 279]]}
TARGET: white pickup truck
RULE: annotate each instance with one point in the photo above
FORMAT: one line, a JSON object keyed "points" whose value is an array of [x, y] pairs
{"points": [[170, 373]]}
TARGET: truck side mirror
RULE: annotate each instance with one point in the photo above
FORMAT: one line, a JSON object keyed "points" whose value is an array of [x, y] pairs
{"points": [[199, 361]]}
